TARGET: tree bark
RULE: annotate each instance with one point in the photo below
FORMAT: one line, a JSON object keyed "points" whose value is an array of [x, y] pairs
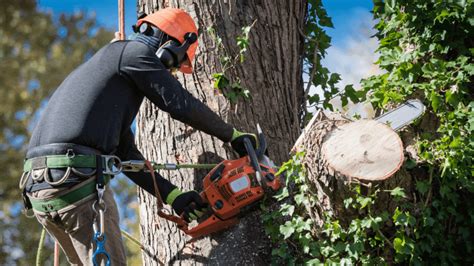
{"points": [[272, 71]]}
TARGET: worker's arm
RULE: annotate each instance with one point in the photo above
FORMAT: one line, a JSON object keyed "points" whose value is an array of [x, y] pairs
{"points": [[127, 150], [143, 69], [189, 204]]}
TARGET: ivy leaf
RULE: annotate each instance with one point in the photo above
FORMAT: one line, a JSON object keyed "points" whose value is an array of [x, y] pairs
{"points": [[351, 93], [287, 209], [299, 198], [344, 101], [348, 202], [282, 195], [410, 164], [398, 245], [364, 201], [435, 100], [398, 192], [313, 262], [287, 229], [220, 81], [422, 186]]}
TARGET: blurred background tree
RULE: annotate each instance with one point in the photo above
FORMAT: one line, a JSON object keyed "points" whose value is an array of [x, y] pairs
{"points": [[37, 51]]}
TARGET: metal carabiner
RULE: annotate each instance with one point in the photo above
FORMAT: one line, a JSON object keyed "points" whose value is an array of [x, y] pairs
{"points": [[100, 249], [99, 229]]}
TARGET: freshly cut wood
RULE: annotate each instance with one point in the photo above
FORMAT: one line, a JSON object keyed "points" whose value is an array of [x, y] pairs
{"points": [[364, 145], [364, 149]]}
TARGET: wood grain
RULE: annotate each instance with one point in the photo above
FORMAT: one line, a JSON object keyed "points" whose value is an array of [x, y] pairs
{"points": [[364, 149]]}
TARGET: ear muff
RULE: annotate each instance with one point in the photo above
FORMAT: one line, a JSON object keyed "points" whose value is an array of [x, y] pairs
{"points": [[140, 15], [172, 54]]}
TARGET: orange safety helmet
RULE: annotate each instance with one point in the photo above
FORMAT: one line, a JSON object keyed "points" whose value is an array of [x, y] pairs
{"points": [[176, 23]]}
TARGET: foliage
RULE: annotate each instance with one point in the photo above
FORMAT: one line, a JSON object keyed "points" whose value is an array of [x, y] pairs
{"points": [[36, 53], [233, 91], [426, 48], [317, 41]]}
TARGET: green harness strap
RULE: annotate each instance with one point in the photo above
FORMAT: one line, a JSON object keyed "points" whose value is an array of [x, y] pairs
{"points": [[58, 203], [60, 161]]}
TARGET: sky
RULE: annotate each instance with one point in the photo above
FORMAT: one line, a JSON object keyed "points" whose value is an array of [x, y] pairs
{"points": [[343, 13]]}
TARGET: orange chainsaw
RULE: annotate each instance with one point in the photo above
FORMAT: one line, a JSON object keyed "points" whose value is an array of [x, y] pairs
{"points": [[231, 188], [234, 187]]}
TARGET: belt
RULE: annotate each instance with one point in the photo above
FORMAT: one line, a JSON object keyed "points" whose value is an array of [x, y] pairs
{"points": [[60, 161], [108, 164]]}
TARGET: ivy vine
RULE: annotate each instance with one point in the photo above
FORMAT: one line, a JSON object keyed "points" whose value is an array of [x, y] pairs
{"points": [[426, 49], [232, 90]]}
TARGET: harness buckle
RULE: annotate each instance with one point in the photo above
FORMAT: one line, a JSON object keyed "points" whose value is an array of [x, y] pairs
{"points": [[112, 165]]}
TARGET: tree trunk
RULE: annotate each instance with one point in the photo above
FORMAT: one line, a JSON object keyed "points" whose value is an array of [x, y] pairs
{"points": [[332, 183], [272, 71]]}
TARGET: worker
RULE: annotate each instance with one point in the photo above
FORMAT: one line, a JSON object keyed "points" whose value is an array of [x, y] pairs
{"points": [[90, 115]]}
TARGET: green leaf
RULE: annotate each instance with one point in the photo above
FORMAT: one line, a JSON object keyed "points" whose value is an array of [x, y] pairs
{"points": [[398, 245], [364, 201], [422, 186], [287, 209], [435, 100], [348, 202], [313, 262], [351, 93], [220, 81], [410, 164], [456, 143], [398, 192], [287, 229], [299, 198]]}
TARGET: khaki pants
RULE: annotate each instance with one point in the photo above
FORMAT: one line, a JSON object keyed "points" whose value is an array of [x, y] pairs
{"points": [[72, 227]]}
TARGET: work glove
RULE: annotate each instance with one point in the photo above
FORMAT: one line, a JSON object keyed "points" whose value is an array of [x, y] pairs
{"points": [[237, 141], [116, 37], [189, 204]]}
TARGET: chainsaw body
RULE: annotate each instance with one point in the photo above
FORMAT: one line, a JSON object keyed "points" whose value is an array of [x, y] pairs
{"points": [[235, 186]]}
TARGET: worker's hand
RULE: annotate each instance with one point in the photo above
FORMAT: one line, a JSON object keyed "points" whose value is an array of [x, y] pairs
{"points": [[237, 141], [116, 37], [187, 204]]}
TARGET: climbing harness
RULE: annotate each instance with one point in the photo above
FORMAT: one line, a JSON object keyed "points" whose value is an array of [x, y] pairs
{"points": [[104, 167]]}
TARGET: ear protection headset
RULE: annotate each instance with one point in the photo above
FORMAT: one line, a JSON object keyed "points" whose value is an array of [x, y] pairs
{"points": [[171, 53]]}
